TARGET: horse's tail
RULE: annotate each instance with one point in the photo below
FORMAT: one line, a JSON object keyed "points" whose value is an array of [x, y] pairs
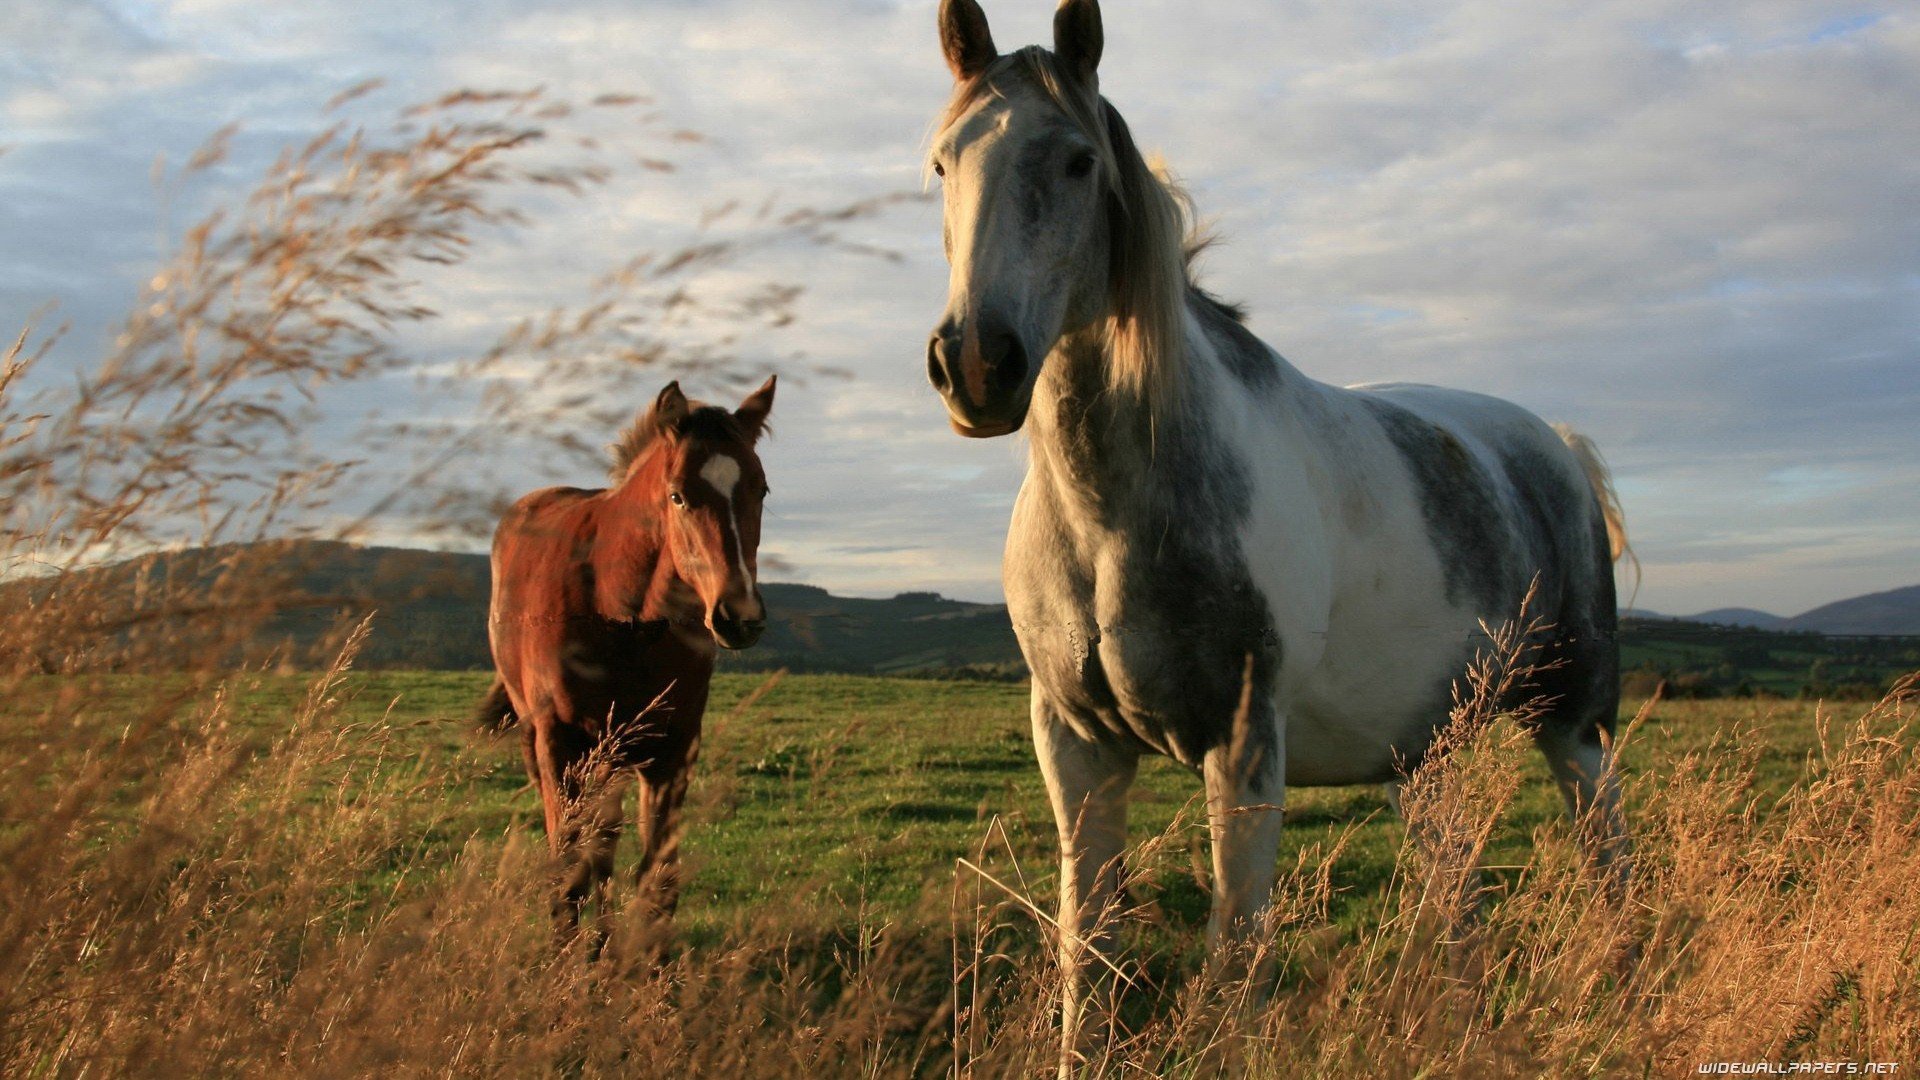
{"points": [[494, 715], [1601, 480]]}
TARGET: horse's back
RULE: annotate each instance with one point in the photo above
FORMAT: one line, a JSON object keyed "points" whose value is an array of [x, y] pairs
{"points": [[546, 515], [1503, 498], [1491, 423]]}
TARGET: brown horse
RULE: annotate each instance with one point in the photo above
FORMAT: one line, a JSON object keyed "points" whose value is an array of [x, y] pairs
{"points": [[607, 605]]}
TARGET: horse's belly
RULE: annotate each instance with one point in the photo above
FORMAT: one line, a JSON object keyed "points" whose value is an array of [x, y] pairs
{"points": [[1328, 748], [1357, 702], [1368, 714]]}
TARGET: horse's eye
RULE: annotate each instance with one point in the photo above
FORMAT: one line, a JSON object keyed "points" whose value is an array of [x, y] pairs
{"points": [[1080, 164], [677, 499], [939, 169]]}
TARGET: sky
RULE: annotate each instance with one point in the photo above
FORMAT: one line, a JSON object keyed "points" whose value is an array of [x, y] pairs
{"points": [[1691, 230]]}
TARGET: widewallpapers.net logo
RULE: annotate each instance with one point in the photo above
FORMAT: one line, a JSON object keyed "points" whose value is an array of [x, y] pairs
{"points": [[1799, 1068]]}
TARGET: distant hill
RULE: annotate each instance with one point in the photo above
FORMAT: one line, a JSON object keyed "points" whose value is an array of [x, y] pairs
{"points": [[1739, 616], [1896, 611], [1727, 616], [431, 607], [810, 629], [430, 611]]}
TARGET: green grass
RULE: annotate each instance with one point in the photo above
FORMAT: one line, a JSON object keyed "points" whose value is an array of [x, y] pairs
{"points": [[835, 802]]}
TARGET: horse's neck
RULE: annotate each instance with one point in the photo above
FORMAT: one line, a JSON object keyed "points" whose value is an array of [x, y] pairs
{"points": [[1112, 461], [633, 577], [1104, 450]]}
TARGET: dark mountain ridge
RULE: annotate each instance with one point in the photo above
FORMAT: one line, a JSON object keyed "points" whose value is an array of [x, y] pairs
{"points": [[1896, 611]]}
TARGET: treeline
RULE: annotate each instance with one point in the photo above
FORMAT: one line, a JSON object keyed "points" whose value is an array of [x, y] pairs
{"points": [[428, 611], [1702, 660]]}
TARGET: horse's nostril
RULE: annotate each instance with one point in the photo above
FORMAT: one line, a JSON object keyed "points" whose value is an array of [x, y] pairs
{"points": [[1011, 372], [936, 371], [737, 633]]}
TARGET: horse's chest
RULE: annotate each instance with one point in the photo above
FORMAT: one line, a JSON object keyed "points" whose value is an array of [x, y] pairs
{"points": [[646, 670], [1167, 647]]}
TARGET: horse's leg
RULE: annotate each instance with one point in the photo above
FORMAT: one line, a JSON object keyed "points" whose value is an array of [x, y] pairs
{"points": [[1246, 788], [1087, 783], [528, 756], [601, 813], [657, 877], [557, 757], [546, 761], [1458, 884], [663, 788], [1582, 761]]}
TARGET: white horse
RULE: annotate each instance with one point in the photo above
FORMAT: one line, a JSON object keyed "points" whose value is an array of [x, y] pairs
{"points": [[1200, 521]]}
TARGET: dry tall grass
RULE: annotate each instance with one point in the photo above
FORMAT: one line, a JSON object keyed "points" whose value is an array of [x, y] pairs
{"points": [[181, 901], [178, 898]]}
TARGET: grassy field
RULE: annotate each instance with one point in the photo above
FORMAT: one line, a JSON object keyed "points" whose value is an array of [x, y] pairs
{"points": [[836, 798], [301, 827], [859, 793]]}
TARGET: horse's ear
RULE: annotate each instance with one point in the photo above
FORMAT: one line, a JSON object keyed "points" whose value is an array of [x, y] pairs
{"points": [[1077, 38], [752, 412], [668, 409], [965, 39]]}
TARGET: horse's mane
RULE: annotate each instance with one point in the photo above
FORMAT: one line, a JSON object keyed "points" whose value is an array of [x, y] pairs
{"points": [[701, 421], [1153, 240]]}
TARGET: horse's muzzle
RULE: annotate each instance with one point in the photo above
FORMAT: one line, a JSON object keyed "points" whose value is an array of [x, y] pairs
{"points": [[984, 381]]}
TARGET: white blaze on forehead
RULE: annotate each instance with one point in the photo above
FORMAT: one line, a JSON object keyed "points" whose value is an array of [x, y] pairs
{"points": [[723, 473]]}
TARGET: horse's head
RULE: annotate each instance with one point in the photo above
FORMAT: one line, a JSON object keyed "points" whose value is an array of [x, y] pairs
{"points": [[710, 488], [1037, 173]]}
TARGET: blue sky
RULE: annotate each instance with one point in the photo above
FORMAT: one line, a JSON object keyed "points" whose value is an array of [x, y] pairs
{"points": [[1691, 230]]}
